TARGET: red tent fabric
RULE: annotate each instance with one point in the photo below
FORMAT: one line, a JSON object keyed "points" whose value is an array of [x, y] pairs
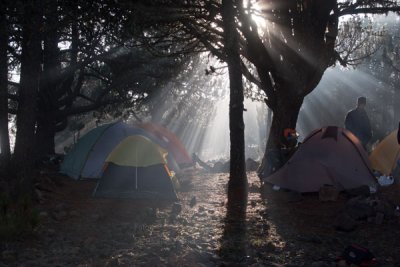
{"points": [[169, 141], [329, 155]]}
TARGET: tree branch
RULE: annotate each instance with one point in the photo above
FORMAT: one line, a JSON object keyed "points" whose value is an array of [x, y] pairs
{"points": [[368, 10]]}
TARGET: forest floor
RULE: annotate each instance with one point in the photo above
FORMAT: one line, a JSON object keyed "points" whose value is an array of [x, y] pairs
{"points": [[283, 229]]}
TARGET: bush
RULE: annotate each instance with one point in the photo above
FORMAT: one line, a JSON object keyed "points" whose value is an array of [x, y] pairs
{"points": [[17, 220]]}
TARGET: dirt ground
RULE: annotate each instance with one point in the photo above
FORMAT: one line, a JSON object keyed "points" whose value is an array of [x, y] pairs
{"points": [[283, 229]]}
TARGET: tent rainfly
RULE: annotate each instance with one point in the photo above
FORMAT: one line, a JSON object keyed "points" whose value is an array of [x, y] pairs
{"points": [[386, 154], [169, 141], [136, 168], [330, 155]]}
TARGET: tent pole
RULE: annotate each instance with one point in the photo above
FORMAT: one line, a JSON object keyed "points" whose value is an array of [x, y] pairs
{"points": [[136, 170]]}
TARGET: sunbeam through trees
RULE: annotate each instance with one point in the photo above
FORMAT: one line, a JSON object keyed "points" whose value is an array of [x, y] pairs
{"points": [[181, 127]]}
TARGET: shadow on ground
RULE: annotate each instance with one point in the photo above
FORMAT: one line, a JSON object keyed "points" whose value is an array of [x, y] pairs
{"points": [[298, 224]]}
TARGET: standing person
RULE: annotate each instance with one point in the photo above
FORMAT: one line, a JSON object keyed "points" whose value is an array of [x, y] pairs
{"points": [[357, 122]]}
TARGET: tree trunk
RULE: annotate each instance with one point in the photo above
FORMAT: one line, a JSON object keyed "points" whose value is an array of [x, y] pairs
{"points": [[268, 124], [23, 160], [44, 139], [4, 136], [237, 186], [285, 115], [46, 125], [234, 236]]}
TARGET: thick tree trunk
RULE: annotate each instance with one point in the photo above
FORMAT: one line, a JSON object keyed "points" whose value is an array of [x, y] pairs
{"points": [[293, 63], [4, 136], [237, 186], [44, 139], [23, 160], [46, 125], [285, 115], [268, 124]]}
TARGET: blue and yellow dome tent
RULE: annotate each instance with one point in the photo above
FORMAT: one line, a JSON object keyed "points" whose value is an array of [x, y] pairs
{"points": [[86, 159], [136, 168]]}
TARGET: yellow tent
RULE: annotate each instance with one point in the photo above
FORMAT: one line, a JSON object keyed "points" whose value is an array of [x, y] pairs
{"points": [[137, 168], [386, 154], [137, 151]]}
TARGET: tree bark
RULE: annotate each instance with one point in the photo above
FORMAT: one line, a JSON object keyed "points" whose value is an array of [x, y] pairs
{"points": [[293, 63], [268, 124], [23, 160], [285, 115], [234, 236], [44, 138], [46, 123], [4, 135], [237, 186]]}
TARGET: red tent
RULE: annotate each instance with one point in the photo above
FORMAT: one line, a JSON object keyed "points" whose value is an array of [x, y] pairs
{"points": [[169, 141], [330, 155]]}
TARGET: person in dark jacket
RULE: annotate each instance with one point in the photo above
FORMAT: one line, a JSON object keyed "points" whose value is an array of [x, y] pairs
{"points": [[357, 122]]}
